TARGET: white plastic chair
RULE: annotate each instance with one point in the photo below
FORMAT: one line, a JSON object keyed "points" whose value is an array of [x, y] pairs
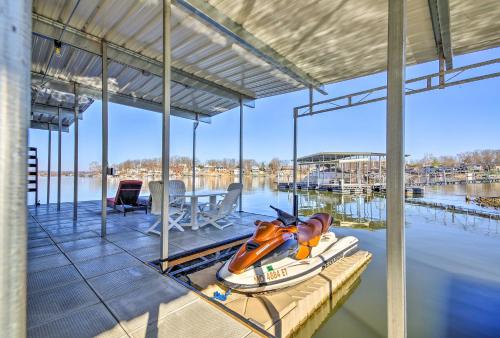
{"points": [[232, 186], [221, 210], [176, 206]]}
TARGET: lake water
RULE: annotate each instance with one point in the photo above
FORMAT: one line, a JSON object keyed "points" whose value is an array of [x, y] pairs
{"points": [[453, 260]]}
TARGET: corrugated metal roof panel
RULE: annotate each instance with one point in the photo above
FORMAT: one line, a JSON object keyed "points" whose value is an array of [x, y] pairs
{"points": [[329, 40], [137, 27]]}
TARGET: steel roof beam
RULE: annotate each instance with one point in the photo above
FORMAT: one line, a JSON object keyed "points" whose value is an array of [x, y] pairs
{"points": [[51, 29], [137, 102], [41, 108], [440, 17], [45, 126], [238, 34]]}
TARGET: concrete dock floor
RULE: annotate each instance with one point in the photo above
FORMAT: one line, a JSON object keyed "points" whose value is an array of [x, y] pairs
{"points": [[80, 285]]}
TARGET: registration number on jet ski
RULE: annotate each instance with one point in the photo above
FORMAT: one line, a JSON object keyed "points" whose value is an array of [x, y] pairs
{"points": [[271, 275]]}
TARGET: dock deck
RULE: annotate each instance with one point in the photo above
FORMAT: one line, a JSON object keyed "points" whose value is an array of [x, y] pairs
{"points": [[82, 285], [283, 312]]}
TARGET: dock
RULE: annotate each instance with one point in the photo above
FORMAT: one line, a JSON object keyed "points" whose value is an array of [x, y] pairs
{"points": [[80, 284], [350, 189], [456, 209], [282, 313]]}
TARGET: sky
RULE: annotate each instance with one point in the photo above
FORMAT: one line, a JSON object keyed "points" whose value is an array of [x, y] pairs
{"points": [[440, 122]]}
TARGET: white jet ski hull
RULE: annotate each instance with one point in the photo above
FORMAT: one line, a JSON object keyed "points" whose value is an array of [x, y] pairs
{"points": [[289, 271]]}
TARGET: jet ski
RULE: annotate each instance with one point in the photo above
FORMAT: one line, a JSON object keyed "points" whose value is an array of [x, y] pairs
{"points": [[285, 252]]}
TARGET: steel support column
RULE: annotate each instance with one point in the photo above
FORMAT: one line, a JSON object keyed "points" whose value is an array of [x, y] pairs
{"points": [[165, 145], [15, 86], [59, 155], [396, 274], [240, 207], [193, 182], [295, 197], [75, 164], [380, 169], [49, 156], [104, 125]]}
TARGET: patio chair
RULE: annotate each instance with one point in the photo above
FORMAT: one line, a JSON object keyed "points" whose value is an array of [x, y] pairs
{"points": [[232, 186], [127, 196], [175, 211], [177, 190], [221, 211]]}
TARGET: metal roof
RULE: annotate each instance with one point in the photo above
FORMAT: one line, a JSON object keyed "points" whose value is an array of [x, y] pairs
{"points": [[50, 102], [226, 49], [335, 40], [331, 157]]}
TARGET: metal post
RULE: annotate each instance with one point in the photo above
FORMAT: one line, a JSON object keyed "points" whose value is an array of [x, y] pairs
{"points": [[395, 164], [380, 169], [59, 146], [49, 151], [165, 145], [15, 86], [295, 197], [341, 176], [195, 126], [441, 72], [75, 164], [311, 98], [240, 205], [104, 126]]}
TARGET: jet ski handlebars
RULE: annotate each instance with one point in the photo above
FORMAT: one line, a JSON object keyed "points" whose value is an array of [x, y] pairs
{"points": [[285, 218]]}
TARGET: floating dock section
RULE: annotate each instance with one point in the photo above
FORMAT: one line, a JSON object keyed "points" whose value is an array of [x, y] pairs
{"points": [[283, 312]]}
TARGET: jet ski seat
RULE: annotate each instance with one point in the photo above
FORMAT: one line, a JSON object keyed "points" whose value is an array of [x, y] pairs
{"points": [[325, 219], [309, 233]]}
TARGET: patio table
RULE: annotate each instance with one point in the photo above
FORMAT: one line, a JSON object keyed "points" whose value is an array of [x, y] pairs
{"points": [[194, 197]]}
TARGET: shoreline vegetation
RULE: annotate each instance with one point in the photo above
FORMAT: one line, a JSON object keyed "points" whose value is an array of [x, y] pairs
{"points": [[492, 202], [486, 160]]}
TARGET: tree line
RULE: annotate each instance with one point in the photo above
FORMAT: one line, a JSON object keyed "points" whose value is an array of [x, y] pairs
{"points": [[487, 158], [179, 164]]}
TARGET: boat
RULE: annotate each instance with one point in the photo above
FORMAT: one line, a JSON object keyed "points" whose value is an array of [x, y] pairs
{"points": [[285, 252]]}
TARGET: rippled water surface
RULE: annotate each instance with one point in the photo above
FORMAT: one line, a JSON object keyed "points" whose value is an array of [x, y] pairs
{"points": [[453, 260]]}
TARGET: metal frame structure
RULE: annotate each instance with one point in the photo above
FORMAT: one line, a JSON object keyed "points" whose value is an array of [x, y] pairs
{"points": [[165, 145], [59, 156], [51, 29], [440, 17], [193, 165], [341, 160], [418, 85], [395, 182], [240, 205], [237, 33], [15, 24], [104, 163], [75, 163], [394, 93], [49, 158], [13, 163]]}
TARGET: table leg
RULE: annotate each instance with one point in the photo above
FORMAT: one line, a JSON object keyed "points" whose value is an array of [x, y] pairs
{"points": [[213, 202], [194, 213]]}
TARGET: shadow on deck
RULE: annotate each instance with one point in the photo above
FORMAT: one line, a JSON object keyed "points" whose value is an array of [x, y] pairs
{"points": [[82, 285]]}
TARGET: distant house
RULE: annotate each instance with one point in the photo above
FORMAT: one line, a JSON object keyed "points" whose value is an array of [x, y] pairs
{"points": [[429, 169], [476, 167], [213, 169], [255, 170]]}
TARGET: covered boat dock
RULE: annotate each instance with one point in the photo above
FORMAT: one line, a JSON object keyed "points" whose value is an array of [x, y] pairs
{"points": [[343, 172], [195, 59]]}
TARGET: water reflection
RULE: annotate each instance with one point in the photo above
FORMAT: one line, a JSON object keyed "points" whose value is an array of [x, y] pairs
{"points": [[453, 260]]}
